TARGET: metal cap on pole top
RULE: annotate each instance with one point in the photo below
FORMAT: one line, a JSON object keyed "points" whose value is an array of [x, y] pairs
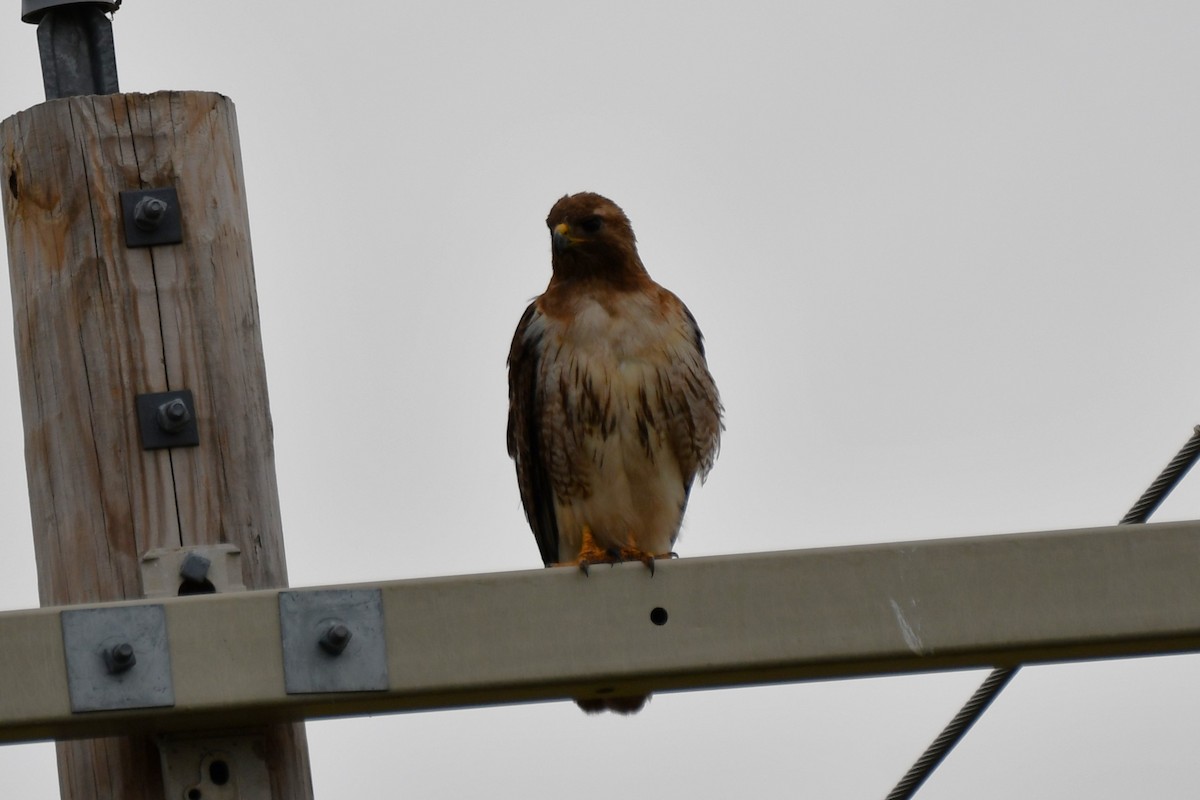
{"points": [[32, 10], [75, 43]]}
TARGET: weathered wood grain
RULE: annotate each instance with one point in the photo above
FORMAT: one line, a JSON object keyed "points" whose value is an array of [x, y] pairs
{"points": [[98, 323]]}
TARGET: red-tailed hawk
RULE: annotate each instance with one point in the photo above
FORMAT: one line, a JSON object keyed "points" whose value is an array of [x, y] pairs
{"points": [[612, 411]]}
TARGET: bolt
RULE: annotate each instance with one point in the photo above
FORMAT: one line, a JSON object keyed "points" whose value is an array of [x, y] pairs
{"points": [[149, 212], [194, 567], [119, 658], [336, 637], [173, 416]]}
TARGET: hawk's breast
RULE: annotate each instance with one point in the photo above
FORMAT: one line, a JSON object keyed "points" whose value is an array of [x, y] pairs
{"points": [[610, 396]]}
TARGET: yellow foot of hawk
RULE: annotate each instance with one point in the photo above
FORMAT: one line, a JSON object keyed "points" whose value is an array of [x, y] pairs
{"points": [[592, 553]]}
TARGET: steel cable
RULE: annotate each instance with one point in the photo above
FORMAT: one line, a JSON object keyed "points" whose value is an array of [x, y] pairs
{"points": [[991, 687], [1171, 475]]}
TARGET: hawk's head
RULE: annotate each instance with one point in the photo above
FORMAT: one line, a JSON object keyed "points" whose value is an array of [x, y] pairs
{"points": [[592, 237]]}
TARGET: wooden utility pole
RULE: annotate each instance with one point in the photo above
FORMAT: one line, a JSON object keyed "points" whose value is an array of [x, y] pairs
{"points": [[99, 322]]}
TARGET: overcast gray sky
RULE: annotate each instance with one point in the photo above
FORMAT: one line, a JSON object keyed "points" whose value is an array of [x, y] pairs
{"points": [[944, 255]]}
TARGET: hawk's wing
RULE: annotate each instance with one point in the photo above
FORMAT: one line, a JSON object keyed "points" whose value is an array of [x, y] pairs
{"points": [[695, 428], [524, 445]]}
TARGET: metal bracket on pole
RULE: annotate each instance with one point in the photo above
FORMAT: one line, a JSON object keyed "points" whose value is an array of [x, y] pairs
{"points": [[201, 766], [117, 658], [333, 641], [75, 43], [203, 569], [214, 768]]}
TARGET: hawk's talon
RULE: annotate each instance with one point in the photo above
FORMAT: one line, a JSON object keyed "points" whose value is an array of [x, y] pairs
{"points": [[632, 552], [590, 552]]}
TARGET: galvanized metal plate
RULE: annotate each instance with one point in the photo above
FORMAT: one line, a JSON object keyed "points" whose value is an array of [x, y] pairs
{"points": [[152, 217], [316, 661], [95, 683]]}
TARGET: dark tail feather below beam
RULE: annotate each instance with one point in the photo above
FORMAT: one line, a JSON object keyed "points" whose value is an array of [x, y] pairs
{"points": [[619, 705]]}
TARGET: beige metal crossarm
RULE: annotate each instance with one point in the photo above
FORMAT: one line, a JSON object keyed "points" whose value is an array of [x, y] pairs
{"points": [[698, 622]]}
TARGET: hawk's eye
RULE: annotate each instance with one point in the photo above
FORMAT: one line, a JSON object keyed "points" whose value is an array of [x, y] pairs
{"points": [[590, 224]]}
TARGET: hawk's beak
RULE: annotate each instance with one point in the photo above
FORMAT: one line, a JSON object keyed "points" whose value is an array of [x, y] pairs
{"points": [[560, 238]]}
